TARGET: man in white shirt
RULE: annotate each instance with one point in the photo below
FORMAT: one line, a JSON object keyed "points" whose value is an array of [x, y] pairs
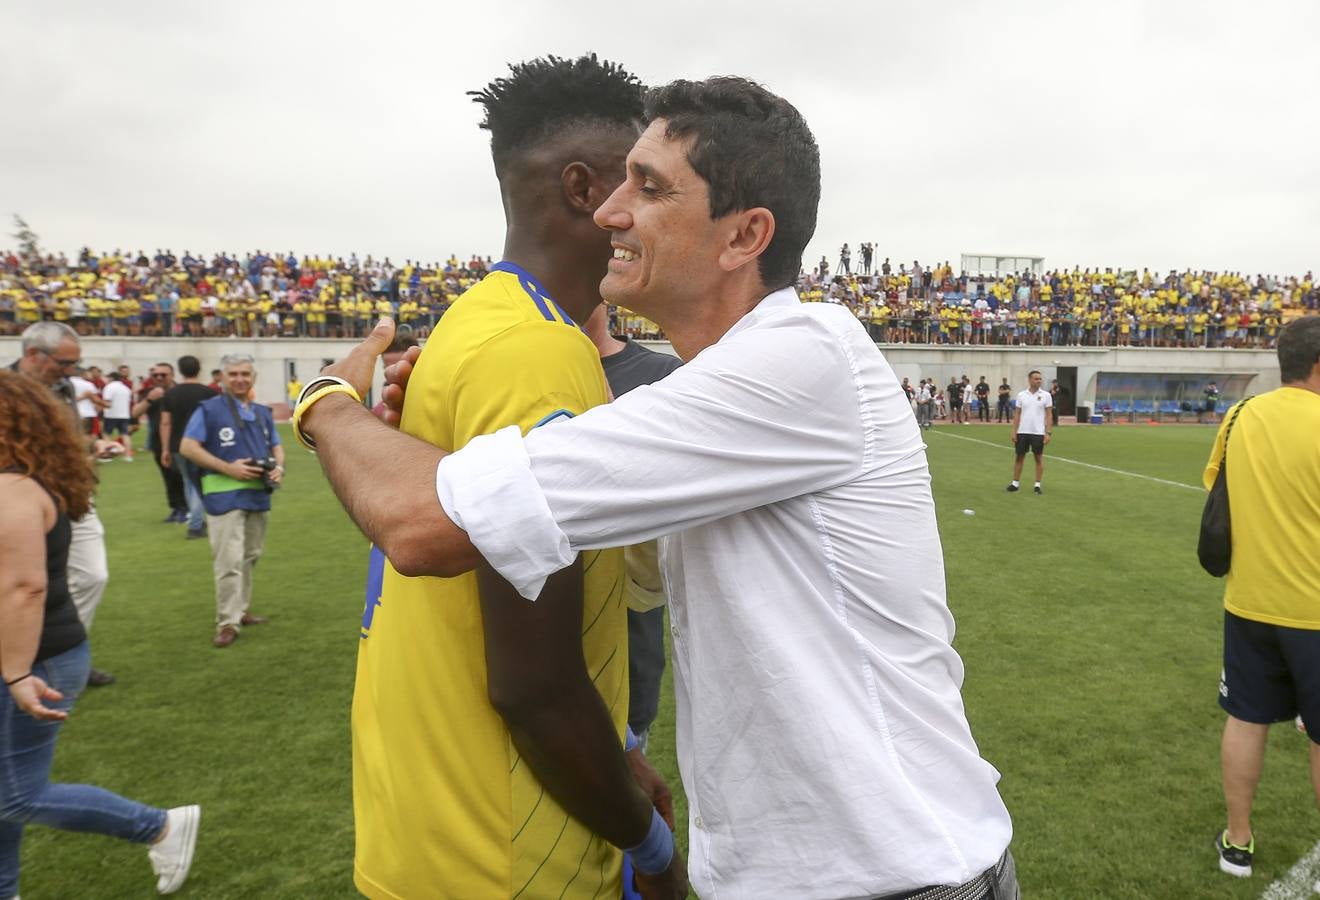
{"points": [[1031, 429], [925, 403], [87, 397], [821, 734], [118, 397]]}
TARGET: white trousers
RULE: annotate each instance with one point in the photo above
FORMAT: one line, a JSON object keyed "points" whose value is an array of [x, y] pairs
{"points": [[88, 572]]}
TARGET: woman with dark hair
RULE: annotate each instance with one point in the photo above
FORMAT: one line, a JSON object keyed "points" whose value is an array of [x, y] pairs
{"points": [[46, 480]]}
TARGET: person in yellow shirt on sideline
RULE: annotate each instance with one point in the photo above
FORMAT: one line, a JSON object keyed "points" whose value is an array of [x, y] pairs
{"points": [[1271, 670], [488, 731]]}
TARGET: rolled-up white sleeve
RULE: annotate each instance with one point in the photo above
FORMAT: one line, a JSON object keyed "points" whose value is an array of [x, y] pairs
{"points": [[770, 414], [489, 491]]}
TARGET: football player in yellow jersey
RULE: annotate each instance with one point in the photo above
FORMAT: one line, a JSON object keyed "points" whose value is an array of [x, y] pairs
{"points": [[488, 730]]}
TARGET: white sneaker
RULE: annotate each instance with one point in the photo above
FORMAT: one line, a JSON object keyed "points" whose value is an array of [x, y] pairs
{"points": [[172, 857]]}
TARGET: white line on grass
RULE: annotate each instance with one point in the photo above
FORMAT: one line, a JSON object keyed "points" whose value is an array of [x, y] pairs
{"points": [[1078, 462], [1299, 881]]}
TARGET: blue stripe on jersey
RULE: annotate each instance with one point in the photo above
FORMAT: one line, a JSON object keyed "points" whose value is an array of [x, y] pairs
{"points": [[375, 588], [544, 302], [554, 417]]}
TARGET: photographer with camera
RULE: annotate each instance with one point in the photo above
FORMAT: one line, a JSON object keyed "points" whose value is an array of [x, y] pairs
{"points": [[234, 442]]}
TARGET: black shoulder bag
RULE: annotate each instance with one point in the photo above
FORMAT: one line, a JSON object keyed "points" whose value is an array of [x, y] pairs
{"points": [[1215, 547]]}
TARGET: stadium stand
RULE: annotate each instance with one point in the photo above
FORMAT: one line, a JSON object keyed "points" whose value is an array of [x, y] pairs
{"points": [[283, 295]]}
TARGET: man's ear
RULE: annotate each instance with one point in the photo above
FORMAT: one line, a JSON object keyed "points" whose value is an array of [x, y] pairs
{"points": [[748, 235], [582, 187]]}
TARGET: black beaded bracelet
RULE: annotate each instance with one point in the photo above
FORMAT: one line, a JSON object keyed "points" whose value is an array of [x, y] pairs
{"points": [[17, 680]]}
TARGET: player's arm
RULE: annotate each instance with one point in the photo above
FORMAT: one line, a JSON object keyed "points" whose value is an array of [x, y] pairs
{"points": [[537, 676], [538, 682], [1017, 420]]}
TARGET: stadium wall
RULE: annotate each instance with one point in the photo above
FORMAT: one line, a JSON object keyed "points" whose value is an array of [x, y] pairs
{"points": [[1256, 369]]}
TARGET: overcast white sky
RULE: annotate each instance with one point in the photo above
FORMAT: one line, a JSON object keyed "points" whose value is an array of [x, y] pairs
{"points": [[1164, 133]]}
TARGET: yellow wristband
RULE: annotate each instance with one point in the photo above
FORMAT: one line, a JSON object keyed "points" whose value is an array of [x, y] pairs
{"points": [[306, 404]]}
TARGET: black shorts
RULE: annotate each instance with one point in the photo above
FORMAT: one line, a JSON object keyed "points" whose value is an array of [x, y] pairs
{"points": [[1033, 442], [957, 404], [116, 426], [1271, 673]]}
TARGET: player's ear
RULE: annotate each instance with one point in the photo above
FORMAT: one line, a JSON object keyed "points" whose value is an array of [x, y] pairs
{"points": [[582, 187]]}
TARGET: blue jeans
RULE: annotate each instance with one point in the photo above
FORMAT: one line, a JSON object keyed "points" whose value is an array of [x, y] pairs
{"points": [[27, 746], [196, 512]]}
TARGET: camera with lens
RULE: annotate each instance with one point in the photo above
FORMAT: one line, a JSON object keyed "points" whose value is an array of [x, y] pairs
{"points": [[268, 467]]}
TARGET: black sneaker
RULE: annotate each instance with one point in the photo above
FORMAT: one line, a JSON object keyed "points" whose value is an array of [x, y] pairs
{"points": [[1036, 489], [1235, 860], [1013, 488], [97, 678]]}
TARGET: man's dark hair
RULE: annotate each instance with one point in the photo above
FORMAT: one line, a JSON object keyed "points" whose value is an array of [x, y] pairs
{"points": [[215, 372], [752, 149], [189, 366], [1299, 348], [166, 365], [1034, 372], [544, 97], [403, 340]]}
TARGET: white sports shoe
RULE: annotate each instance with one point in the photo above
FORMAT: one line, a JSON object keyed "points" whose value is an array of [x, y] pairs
{"points": [[172, 857]]}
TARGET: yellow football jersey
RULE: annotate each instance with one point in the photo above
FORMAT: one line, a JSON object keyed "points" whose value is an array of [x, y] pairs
{"points": [[444, 805], [1274, 479]]}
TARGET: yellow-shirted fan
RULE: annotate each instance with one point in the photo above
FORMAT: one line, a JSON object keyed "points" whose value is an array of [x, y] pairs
{"points": [[451, 811]]}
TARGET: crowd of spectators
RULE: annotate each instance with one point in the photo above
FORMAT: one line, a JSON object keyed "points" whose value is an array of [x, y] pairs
{"points": [[1078, 307], [258, 295], [283, 295]]}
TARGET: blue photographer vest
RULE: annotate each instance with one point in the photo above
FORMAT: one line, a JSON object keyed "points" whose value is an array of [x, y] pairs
{"points": [[231, 441]]}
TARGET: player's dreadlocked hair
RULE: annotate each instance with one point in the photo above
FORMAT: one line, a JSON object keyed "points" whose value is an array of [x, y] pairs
{"points": [[545, 95]]}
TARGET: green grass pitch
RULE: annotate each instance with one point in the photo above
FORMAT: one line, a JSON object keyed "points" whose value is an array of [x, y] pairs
{"points": [[1090, 636]]}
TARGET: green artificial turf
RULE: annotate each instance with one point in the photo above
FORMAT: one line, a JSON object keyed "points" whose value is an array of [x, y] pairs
{"points": [[1090, 636]]}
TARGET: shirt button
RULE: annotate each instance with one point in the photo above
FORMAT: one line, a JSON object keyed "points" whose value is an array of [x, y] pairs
{"points": [[673, 629], [697, 821]]}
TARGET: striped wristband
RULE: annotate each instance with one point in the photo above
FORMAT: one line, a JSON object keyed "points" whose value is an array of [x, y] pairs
{"points": [[315, 390], [630, 741], [653, 855]]}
